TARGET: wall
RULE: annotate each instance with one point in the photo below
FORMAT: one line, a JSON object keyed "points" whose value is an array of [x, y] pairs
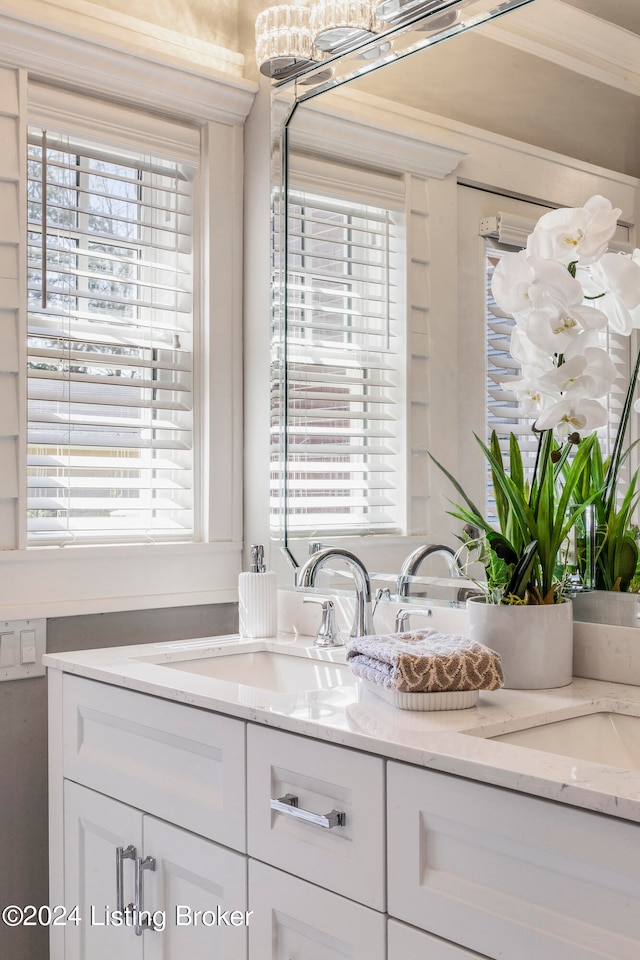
{"points": [[23, 749]]}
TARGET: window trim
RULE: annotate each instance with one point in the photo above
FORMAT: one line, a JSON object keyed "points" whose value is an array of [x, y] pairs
{"points": [[89, 579]]}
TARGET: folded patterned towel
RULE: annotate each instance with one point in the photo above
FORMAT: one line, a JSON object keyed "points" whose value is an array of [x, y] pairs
{"points": [[425, 661]]}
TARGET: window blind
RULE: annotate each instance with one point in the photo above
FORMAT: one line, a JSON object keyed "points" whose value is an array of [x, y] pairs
{"points": [[110, 343], [344, 361]]}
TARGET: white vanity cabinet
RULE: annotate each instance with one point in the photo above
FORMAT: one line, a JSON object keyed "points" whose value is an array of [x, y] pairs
{"points": [[331, 851]]}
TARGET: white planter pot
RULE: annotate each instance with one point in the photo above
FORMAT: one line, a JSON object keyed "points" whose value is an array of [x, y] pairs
{"points": [[535, 643], [607, 606]]}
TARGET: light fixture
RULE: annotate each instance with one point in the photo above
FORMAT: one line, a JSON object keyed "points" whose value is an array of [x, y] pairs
{"points": [[283, 41], [336, 24], [293, 38]]}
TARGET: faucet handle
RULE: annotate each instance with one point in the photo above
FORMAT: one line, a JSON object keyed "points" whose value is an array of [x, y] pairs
{"points": [[402, 617], [328, 634]]}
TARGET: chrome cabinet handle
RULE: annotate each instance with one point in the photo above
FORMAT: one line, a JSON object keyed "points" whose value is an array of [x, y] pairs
{"points": [[148, 863], [289, 806], [122, 854]]}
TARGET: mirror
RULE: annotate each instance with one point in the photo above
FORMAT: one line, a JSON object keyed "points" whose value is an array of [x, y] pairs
{"points": [[391, 180]]}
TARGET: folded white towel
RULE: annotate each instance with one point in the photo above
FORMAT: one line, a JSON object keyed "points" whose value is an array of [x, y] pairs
{"points": [[425, 661]]}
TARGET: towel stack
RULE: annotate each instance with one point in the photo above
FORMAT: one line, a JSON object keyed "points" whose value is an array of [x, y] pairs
{"points": [[425, 661]]}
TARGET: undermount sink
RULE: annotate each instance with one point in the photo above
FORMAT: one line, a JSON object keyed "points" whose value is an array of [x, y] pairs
{"points": [[269, 670], [604, 737]]}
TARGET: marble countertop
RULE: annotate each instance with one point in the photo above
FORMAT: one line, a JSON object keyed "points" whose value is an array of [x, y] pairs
{"points": [[452, 741]]}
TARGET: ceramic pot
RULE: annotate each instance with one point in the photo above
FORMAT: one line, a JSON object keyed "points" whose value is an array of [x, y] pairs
{"points": [[535, 643], [607, 606]]}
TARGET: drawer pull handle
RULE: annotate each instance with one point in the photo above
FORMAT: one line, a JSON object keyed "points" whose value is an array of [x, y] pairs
{"points": [[289, 806], [122, 854], [145, 923]]}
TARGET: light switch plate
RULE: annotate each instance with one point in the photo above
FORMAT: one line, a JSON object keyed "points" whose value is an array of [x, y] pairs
{"points": [[22, 644]]}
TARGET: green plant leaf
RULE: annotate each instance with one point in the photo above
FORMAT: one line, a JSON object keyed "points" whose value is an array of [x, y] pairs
{"points": [[515, 463], [523, 516], [502, 506], [522, 572]]}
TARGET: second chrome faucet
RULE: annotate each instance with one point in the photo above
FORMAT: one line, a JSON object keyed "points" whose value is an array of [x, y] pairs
{"points": [[306, 577]]}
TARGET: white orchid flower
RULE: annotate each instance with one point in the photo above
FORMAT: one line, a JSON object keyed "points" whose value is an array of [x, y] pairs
{"points": [[555, 321], [615, 281], [528, 355], [573, 415], [520, 281], [530, 400], [534, 363], [588, 375], [575, 233]]}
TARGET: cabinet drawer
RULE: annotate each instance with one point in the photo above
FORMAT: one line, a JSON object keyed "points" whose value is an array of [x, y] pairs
{"points": [[292, 918], [346, 858], [180, 763], [407, 943], [509, 875]]}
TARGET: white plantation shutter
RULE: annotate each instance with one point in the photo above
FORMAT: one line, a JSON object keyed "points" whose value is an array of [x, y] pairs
{"points": [[503, 410], [345, 357], [110, 342]]}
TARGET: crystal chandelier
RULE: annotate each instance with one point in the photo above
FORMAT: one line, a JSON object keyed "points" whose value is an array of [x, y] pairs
{"points": [[292, 37]]}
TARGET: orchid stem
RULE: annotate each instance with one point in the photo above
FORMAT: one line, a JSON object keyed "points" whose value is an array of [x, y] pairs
{"points": [[614, 463]]}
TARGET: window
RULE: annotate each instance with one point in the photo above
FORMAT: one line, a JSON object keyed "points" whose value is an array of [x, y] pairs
{"points": [[344, 368], [110, 342]]}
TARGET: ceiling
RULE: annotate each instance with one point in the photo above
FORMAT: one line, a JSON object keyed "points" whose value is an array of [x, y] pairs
{"points": [[624, 13]]}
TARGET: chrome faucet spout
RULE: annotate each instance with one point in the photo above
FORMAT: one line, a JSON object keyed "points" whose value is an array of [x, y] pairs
{"points": [[306, 577], [415, 559]]}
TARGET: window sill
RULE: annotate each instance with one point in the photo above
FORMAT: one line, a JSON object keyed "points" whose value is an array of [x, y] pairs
{"points": [[67, 581]]}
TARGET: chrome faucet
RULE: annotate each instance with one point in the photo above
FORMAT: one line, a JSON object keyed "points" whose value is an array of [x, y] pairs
{"points": [[412, 564], [306, 577]]}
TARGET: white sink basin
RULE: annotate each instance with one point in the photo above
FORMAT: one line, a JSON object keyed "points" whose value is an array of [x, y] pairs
{"points": [[609, 738], [269, 670]]}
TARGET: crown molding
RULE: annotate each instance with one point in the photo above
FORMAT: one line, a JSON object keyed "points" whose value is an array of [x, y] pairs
{"points": [[84, 47], [573, 39], [376, 138]]}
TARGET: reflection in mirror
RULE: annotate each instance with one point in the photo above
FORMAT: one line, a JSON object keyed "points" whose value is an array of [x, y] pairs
{"points": [[404, 187]]}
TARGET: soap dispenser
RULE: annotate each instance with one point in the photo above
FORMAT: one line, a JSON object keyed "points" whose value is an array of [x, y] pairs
{"points": [[258, 598]]}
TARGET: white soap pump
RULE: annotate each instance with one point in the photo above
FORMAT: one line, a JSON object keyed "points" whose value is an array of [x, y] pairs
{"points": [[258, 598]]}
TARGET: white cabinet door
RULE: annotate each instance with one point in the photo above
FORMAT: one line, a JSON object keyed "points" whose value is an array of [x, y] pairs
{"points": [[95, 826], [295, 920], [197, 892], [195, 896], [407, 943]]}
